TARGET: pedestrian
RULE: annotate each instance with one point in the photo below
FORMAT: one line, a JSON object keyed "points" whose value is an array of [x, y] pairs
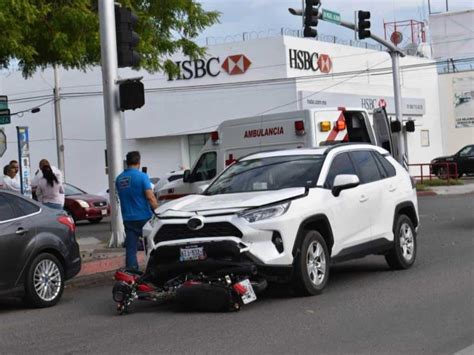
{"points": [[9, 181], [39, 175], [49, 190], [136, 202], [14, 164]]}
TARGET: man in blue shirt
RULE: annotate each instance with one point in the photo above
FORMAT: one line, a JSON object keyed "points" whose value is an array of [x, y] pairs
{"points": [[136, 202]]}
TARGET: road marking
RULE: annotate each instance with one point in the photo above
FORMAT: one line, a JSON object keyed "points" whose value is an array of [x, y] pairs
{"points": [[467, 351]]}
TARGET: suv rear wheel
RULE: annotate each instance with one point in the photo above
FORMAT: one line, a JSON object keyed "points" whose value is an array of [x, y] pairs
{"points": [[403, 253], [311, 265]]}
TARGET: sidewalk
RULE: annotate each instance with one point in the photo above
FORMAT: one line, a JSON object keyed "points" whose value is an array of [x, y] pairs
{"points": [[467, 188]]}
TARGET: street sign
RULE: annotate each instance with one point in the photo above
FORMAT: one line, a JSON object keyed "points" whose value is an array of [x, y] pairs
{"points": [[331, 16], [5, 116], [3, 143]]}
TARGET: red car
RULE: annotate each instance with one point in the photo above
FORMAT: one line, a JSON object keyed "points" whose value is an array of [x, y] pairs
{"points": [[83, 206]]}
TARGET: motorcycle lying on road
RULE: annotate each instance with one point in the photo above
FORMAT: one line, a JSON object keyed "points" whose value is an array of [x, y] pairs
{"points": [[211, 286]]}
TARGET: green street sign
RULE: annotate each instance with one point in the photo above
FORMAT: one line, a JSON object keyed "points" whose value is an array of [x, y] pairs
{"points": [[331, 16], [5, 116]]}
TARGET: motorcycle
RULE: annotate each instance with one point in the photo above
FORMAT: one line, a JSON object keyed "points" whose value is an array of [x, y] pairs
{"points": [[220, 287]]}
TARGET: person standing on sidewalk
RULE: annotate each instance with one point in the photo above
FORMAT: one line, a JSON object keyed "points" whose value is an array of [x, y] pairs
{"points": [[9, 181], [49, 189], [136, 203]]}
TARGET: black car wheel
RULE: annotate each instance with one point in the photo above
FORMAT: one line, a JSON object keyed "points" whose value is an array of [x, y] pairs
{"points": [[311, 265], [44, 284], [403, 253]]}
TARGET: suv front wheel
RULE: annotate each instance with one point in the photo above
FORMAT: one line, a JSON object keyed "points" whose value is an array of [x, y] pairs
{"points": [[403, 253], [311, 265]]}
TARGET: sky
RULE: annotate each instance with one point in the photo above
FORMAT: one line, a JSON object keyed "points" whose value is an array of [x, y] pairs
{"points": [[269, 16]]}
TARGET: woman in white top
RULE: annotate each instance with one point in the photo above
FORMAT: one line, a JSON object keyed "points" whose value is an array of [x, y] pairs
{"points": [[50, 190]]}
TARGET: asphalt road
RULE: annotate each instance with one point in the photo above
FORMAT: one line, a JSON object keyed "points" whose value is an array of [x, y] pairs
{"points": [[366, 309]]}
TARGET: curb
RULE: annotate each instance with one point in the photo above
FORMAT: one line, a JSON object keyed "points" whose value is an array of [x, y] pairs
{"points": [[100, 271], [426, 193]]}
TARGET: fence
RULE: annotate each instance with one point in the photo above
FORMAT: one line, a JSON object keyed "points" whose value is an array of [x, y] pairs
{"points": [[445, 171]]}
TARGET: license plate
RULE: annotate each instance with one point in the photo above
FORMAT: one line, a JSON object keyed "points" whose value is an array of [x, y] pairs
{"points": [[104, 212], [250, 295], [192, 253]]}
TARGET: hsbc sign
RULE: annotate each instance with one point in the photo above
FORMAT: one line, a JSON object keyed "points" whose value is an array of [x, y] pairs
{"points": [[304, 60], [199, 68]]}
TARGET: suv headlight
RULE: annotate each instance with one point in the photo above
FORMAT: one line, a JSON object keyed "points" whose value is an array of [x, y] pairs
{"points": [[265, 212], [83, 203]]}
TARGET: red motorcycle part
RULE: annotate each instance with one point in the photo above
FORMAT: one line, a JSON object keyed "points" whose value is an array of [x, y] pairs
{"points": [[125, 277]]}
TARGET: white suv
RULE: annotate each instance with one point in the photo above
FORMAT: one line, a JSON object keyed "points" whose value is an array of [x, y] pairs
{"points": [[291, 214]]}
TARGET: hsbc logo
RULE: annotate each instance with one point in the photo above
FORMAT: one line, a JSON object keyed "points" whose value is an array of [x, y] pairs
{"points": [[304, 60], [199, 68], [236, 64]]}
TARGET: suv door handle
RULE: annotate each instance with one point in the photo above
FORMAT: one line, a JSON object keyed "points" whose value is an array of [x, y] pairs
{"points": [[363, 198], [392, 188], [21, 231]]}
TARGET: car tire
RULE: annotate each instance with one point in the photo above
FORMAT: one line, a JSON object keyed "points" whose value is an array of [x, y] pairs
{"points": [[95, 220], [311, 269], [44, 284], [403, 252]]}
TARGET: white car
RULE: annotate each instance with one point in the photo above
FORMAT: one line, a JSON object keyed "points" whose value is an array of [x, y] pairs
{"points": [[292, 214], [169, 178]]}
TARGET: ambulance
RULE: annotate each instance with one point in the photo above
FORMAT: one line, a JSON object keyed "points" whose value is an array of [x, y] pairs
{"points": [[234, 139]]}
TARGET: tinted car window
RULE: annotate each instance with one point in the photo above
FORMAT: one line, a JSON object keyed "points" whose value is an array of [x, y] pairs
{"points": [[206, 167], [341, 164], [385, 166], [6, 210], [24, 207], [366, 166], [467, 151]]}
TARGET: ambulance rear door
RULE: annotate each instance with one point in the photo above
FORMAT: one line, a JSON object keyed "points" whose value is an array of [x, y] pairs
{"points": [[382, 129]]}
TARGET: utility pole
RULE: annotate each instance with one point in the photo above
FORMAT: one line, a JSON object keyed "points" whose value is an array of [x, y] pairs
{"points": [[58, 123], [113, 131]]}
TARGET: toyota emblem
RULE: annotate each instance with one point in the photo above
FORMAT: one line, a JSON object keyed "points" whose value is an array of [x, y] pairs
{"points": [[195, 223]]}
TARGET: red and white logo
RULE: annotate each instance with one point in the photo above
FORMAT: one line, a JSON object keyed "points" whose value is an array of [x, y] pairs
{"points": [[324, 63], [236, 64], [382, 103]]}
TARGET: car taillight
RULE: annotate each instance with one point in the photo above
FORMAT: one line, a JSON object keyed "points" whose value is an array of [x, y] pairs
{"points": [[67, 221]]}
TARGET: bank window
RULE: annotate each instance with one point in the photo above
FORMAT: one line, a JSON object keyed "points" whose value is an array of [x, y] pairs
{"points": [[196, 142], [206, 167], [425, 138]]}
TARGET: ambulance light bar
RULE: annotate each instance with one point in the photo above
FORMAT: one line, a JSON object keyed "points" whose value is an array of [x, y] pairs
{"points": [[325, 126], [215, 137], [340, 125], [299, 128]]}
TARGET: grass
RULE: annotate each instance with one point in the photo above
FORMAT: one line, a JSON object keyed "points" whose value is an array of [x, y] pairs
{"points": [[436, 182]]}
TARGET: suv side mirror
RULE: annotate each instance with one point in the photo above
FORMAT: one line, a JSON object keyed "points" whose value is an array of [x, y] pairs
{"points": [[187, 176], [344, 182]]}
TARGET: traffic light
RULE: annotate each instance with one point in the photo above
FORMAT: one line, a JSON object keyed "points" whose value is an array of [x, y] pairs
{"points": [[410, 126], [311, 12], [364, 24], [132, 94], [127, 38]]}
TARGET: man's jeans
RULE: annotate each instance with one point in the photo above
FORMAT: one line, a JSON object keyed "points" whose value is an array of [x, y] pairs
{"points": [[133, 231]]}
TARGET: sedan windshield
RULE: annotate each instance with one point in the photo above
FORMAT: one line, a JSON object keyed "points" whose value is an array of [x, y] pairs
{"points": [[273, 173], [72, 190]]}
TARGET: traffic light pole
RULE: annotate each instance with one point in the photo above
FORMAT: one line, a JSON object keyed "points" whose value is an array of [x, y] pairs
{"points": [[395, 54], [113, 131]]}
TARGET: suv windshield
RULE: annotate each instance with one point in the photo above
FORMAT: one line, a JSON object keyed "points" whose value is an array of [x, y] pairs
{"points": [[273, 173]]}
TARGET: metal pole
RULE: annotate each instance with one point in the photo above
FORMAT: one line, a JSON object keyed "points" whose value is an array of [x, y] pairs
{"points": [[429, 7], [447, 6], [402, 159], [58, 123], [113, 132]]}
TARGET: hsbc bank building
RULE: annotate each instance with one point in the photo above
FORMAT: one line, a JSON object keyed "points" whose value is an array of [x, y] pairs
{"points": [[234, 80]]}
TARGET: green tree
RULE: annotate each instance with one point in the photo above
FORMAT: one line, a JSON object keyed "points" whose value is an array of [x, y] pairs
{"points": [[40, 33]]}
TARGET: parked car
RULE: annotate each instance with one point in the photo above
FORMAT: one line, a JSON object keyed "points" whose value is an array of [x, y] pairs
{"points": [[291, 214], [83, 206], [38, 250], [464, 160], [170, 177]]}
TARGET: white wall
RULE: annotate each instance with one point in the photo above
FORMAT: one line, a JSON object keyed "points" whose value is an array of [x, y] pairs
{"points": [[454, 138]]}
